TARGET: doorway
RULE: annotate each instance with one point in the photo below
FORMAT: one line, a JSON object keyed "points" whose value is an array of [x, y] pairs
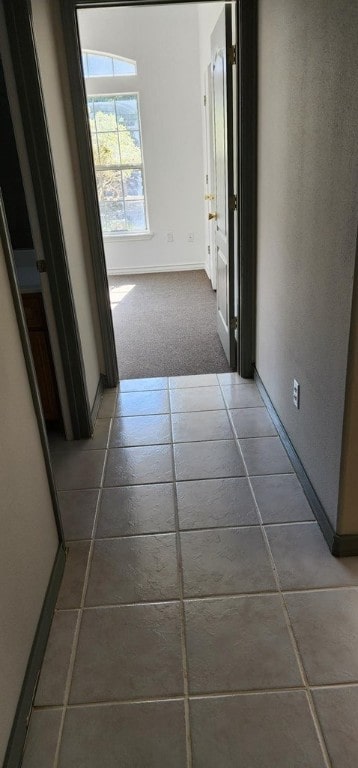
{"points": [[148, 112], [30, 279], [19, 31], [244, 107]]}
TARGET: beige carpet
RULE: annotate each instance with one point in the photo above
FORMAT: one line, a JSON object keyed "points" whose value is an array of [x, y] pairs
{"points": [[165, 325]]}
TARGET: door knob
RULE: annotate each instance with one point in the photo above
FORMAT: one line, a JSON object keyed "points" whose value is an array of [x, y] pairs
{"points": [[209, 197], [212, 216]]}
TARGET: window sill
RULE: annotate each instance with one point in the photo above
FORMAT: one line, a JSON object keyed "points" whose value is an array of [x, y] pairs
{"points": [[127, 237]]}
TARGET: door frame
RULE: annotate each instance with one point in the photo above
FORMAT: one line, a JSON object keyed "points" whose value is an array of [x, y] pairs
{"points": [[222, 88], [247, 95], [20, 35], [246, 26], [20, 723]]}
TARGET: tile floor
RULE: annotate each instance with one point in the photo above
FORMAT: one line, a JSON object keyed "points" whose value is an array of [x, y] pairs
{"points": [[202, 622]]}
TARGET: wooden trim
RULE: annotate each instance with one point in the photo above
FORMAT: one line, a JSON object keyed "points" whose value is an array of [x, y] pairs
{"points": [[14, 752], [25, 65], [340, 545], [247, 193], [84, 148]]}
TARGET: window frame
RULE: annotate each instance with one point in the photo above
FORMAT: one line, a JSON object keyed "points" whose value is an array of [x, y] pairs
{"points": [[113, 57], [142, 234]]}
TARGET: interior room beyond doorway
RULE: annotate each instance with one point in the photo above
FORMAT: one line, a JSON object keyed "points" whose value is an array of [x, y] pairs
{"points": [[174, 331], [149, 118]]}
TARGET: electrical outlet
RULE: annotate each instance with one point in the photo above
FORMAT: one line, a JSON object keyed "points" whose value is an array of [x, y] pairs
{"points": [[170, 237], [296, 394], [191, 237]]}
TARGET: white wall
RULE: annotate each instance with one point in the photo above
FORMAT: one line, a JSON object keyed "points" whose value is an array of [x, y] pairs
{"points": [[307, 219], [28, 535], [165, 43], [56, 91]]}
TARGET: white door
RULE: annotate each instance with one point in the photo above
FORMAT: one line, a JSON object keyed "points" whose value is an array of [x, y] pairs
{"points": [[210, 176], [223, 213]]}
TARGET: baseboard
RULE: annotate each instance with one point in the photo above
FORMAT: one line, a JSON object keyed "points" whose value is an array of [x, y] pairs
{"points": [[101, 386], [340, 545], [17, 738], [157, 268]]}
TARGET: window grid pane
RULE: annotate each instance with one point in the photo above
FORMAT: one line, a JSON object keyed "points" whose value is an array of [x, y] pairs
{"points": [[115, 131], [114, 191], [103, 65]]}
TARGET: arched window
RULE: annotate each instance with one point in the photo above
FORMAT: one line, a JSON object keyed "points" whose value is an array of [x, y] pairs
{"points": [[117, 147], [96, 64]]}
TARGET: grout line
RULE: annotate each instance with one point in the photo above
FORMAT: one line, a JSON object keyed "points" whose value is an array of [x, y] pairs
{"points": [[157, 534], [70, 490], [289, 522], [180, 697], [254, 475], [183, 480], [176, 441], [246, 692], [294, 644], [182, 612], [303, 590], [186, 598], [324, 686], [119, 415], [80, 610], [260, 437], [281, 592], [199, 696], [202, 598], [141, 391], [202, 528], [145, 700]]}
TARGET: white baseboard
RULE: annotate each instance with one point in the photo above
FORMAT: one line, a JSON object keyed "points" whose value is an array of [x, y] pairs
{"points": [[155, 268]]}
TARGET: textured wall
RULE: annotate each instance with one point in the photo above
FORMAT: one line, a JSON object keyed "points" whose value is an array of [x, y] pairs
{"points": [[307, 216], [56, 91], [28, 535]]}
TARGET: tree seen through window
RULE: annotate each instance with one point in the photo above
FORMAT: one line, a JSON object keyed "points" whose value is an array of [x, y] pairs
{"points": [[117, 153]]}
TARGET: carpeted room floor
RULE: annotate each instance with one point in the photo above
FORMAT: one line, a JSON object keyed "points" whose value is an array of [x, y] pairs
{"points": [[165, 325]]}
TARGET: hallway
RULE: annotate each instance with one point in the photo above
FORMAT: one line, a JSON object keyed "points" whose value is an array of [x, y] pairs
{"points": [[202, 621]]}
